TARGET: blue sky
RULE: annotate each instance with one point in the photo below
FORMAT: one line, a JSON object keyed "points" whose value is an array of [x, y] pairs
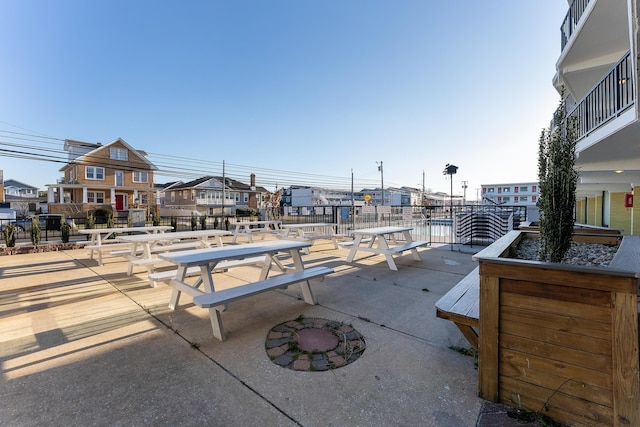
{"points": [[288, 89]]}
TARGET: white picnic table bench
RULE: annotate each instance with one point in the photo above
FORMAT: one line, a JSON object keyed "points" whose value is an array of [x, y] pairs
{"points": [[215, 300], [311, 232], [142, 247], [100, 237], [364, 240], [248, 229]]}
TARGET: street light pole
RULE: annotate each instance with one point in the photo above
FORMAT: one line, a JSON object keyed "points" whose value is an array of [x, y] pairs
{"points": [[381, 181], [451, 170]]}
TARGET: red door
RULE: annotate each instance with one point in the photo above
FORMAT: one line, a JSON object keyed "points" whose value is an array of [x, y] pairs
{"points": [[119, 202]]}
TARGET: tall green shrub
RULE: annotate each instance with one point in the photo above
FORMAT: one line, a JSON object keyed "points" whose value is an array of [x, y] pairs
{"points": [[36, 231], [194, 222], [10, 235], [558, 178], [111, 224], [90, 223], [65, 230]]}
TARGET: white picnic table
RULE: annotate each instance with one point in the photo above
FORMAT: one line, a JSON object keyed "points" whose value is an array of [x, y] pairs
{"points": [[364, 240], [215, 299], [100, 237], [143, 246], [249, 228], [311, 232]]}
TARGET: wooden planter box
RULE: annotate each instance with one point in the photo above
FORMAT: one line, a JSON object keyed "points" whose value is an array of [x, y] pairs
{"points": [[557, 339]]}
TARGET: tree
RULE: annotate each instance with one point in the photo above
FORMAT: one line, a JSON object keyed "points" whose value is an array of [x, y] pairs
{"points": [[558, 178]]}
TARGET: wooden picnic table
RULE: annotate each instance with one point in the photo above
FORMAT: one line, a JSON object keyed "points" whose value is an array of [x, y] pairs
{"points": [[214, 299], [382, 236], [100, 237]]}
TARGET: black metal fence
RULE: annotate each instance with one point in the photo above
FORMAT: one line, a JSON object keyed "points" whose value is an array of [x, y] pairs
{"points": [[468, 224]]}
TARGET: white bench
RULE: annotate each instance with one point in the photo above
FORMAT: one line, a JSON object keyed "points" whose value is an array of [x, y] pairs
{"points": [[350, 242], [214, 300], [168, 275], [413, 245], [104, 247]]}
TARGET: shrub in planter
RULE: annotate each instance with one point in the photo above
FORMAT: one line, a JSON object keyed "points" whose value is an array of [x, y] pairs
{"points": [[558, 178], [203, 222], [65, 230], [10, 235], [36, 231], [174, 223]]}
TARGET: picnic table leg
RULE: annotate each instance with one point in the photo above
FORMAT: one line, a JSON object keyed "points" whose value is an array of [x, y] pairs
{"points": [[384, 246], [305, 286], [414, 252], [175, 294], [354, 248], [214, 312]]}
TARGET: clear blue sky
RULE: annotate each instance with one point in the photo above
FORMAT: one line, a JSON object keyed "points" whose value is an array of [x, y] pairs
{"points": [[286, 88]]}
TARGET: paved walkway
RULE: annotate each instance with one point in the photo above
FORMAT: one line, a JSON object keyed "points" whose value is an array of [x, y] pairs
{"points": [[82, 344]]}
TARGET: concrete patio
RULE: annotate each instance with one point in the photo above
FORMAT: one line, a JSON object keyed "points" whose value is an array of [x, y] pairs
{"points": [[82, 344]]}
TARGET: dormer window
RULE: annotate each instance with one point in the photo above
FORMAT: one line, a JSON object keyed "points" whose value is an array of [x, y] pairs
{"points": [[119, 154]]}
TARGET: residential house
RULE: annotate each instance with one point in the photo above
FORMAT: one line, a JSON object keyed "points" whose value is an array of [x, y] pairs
{"points": [[111, 176], [19, 189], [597, 72], [209, 195]]}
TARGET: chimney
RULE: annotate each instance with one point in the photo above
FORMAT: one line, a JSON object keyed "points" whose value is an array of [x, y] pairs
{"points": [[253, 199]]}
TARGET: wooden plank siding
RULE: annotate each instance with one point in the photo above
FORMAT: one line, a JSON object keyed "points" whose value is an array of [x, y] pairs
{"points": [[561, 340]]}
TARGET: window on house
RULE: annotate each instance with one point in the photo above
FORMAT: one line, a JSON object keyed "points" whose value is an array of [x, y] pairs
{"points": [[144, 198], [506, 189], [193, 195], [491, 190], [118, 154], [95, 196], [140, 176], [524, 198], [524, 188], [506, 199], [92, 172], [173, 196], [185, 194], [246, 197], [533, 199]]}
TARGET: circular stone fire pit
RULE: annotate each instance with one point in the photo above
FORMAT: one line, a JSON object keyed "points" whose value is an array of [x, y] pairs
{"points": [[313, 344]]}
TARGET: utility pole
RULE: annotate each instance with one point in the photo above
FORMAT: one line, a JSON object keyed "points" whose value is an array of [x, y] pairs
{"points": [[381, 181]]}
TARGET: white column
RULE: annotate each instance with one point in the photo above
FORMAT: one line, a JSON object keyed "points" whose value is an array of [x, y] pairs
{"points": [[85, 198], [51, 196]]}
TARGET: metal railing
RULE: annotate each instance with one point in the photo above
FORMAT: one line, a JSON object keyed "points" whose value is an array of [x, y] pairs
{"points": [[437, 224], [610, 96], [571, 20]]}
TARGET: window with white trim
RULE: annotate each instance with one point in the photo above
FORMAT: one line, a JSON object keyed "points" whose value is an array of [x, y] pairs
{"points": [[143, 198], [94, 172], [95, 196], [116, 153], [140, 176]]}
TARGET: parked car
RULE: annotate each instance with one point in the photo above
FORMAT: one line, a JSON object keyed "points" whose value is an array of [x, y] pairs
{"points": [[47, 222]]}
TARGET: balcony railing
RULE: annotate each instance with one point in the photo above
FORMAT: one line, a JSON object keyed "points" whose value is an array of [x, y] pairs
{"points": [[571, 20], [204, 201], [610, 97]]}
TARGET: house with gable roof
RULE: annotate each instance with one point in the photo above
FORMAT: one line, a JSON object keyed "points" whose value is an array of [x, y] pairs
{"points": [[114, 176], [208, 195]]}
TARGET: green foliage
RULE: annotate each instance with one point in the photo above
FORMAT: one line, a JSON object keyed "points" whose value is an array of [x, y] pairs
{"points": [[155, 216], [90, 223], [111, 224], [194, 222], [36, 231], [227, 224], [174, 223], [203, 222], [216, 223], [10, 235], [243, 212], [65, 230], [558, 178]]}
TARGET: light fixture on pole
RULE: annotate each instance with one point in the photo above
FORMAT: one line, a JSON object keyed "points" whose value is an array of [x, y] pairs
{"points": [[381, 179], [451, 170]]}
